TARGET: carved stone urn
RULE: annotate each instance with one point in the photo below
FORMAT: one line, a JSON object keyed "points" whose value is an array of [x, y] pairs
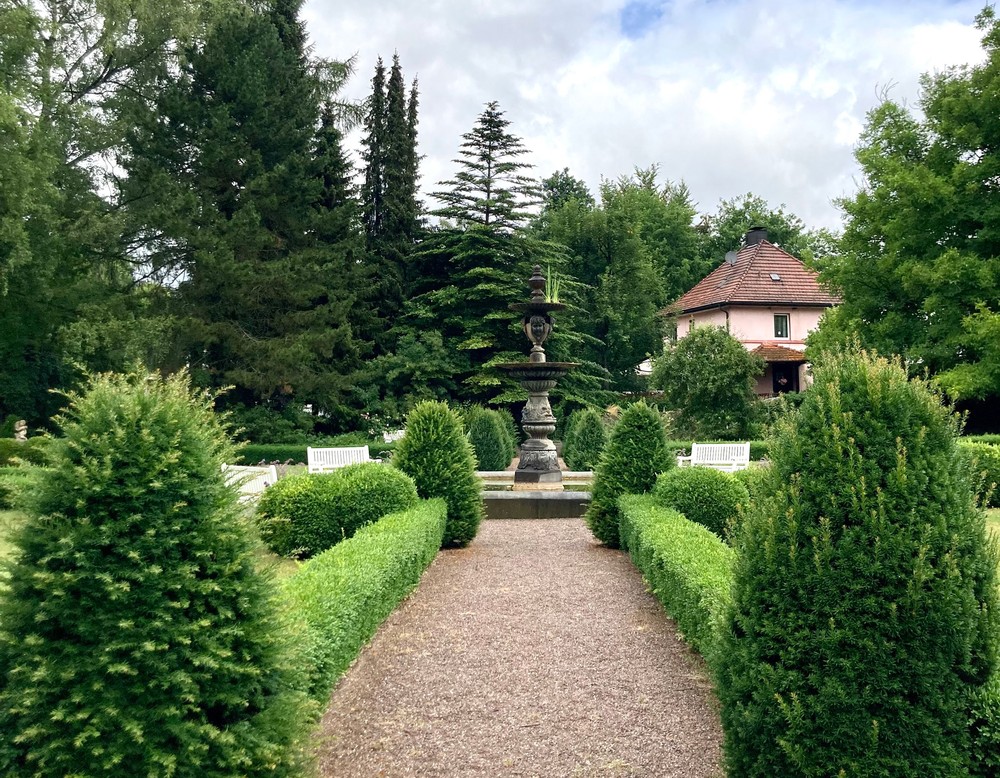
{"points": [[539, 464]]}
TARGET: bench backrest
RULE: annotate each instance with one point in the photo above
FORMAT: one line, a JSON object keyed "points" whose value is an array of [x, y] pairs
{"points": [[323, 460], [722, 456], [251, 479]]}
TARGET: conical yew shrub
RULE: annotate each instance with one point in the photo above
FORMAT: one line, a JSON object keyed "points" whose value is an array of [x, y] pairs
{"points": [[436, 454], [635, 455], [865, 594], [136, 635]]}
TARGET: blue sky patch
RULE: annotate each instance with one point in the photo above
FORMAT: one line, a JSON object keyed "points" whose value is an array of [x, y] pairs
{"points": [[638, 16]]}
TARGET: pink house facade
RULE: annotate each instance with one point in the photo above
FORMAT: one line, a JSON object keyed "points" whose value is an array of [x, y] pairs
{"points": [[769, 300]]}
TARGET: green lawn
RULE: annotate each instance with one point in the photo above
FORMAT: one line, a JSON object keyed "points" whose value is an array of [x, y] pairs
{"points": [[993, 521]]}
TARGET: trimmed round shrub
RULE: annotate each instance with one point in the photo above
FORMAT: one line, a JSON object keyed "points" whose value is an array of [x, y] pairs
{"points": [[438, 457], [635, 455], [865, 597], [302, 515], [586, 441], [136, 632], [488, 438], [709, 497], [983, 462]]}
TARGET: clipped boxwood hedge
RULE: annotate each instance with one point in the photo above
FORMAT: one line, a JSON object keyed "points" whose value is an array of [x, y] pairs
{"points": [[346, 592], [254, 453], [689, 568], [33, 451], [759, 449], [307, 514]]}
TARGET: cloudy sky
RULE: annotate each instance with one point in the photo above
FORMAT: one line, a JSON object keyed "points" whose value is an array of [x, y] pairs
{"points": [[730, 96]]}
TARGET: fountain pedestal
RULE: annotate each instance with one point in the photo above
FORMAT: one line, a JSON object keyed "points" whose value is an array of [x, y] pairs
{"points": [[538, 467]]}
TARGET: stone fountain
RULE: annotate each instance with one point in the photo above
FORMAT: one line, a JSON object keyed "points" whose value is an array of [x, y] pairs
{"points": [[539, 465]]}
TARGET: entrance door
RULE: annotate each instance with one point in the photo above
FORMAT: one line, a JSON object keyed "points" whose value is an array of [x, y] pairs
{"points": [[785, 376]]}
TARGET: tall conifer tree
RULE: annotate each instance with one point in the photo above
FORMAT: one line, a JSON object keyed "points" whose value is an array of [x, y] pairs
{"points": [[234, 184]]}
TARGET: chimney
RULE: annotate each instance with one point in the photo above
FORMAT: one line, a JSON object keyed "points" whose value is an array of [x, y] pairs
{"points": [[755, 236]]}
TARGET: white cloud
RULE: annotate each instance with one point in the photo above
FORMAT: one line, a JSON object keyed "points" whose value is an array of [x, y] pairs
{"points": [[729, 95]]}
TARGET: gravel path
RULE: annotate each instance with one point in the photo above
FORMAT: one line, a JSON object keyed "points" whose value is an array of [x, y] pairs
{"points": [[534, 652]]}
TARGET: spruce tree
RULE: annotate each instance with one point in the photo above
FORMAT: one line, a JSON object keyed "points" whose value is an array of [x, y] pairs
{"points": [[137, 636], [230, 188], [865, 597]]}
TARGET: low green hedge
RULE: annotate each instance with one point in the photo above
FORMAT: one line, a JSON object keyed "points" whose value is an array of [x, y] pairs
{"points": [[345, 593], [688, 568], [992, 439], [759, 449], [302, 515], [32, 451], [254, 453]]}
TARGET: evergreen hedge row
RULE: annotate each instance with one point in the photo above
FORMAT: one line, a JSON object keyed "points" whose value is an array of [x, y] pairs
{"points": [[759, 449], [254, 453], [688, 568], [345, 593]]}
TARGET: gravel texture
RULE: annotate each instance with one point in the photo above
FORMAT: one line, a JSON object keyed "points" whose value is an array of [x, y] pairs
{"points": [[533, 652]]}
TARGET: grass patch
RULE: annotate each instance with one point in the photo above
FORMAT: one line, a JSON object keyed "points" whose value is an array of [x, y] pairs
{"points": [[993, 521]]}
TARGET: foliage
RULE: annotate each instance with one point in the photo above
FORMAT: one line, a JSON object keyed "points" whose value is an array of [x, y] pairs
{"points": [[756, 480], [347, 591], [725, 229], [635, 455], [263, 425], [438, 457], [239, 195], [511, 432], [14, 483], [865, 596], [919, 272], [489, 438], [688, 568], [983, 461], [709, 377], [586, 440], [390, 211], [705, 496], [136, 634], [34, 451], [303, 515], [759, 449]]}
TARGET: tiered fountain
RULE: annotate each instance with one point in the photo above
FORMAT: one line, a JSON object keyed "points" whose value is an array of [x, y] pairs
{"points": [[539, 465]]}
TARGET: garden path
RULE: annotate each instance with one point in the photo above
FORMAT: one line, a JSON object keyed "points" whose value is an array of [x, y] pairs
{"points": [[533, 652]]}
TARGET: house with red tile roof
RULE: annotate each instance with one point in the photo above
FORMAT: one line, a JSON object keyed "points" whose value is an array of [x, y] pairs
{"points": [[768, 299]]}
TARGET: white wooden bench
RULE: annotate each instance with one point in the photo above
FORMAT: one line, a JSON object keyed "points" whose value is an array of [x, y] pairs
{"points": [[251, 480], [720, 456], [323, 460]]}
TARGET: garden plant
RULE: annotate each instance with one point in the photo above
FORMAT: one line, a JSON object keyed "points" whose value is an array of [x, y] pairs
{"points": [[136, 634], [438, 457], [864, 622], [586, 440], [709, 497], [635, 455], [302, 515]]}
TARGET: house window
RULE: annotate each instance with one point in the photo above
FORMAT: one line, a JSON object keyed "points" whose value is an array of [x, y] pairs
{"points": [[690, 324], [781, 325]]}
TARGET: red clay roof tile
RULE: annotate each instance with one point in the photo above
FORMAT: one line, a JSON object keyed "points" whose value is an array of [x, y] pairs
{"points": [[772, 352], [762, 274]]}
